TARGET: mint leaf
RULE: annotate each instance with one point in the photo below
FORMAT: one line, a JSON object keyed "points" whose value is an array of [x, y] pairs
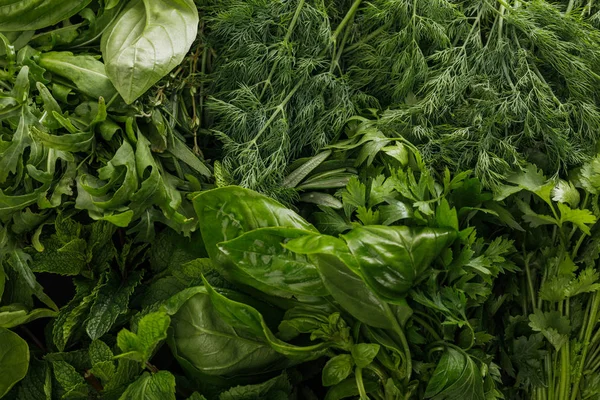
{"points": [[111, 301], [152, 329], [71, 381], [159, 386], [37, 385], [278, 388]]}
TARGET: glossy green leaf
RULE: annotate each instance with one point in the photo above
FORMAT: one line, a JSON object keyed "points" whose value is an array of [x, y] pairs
{"points": [[393, 259], [226, 213], [456, 376], [337, 369], [364, 353], [14, 354], [342, 282], [146, 42], [204, 339], [28, 15], [263, 263], [246, 318]]}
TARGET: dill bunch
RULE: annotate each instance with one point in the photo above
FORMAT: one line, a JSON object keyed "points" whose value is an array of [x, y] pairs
{"points": [[278, 91], [483, 85]]}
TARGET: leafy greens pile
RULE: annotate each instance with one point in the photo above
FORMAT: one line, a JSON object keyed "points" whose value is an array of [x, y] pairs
{"points": [[307, 199]]}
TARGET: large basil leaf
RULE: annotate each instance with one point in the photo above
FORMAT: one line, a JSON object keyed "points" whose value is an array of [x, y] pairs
{"points": [[148, 40], [246, 318], [28, 15], [205, 340], [226, 213], [455, 377], [393, 258], [263, 263], [14, 360], [346, 287]]}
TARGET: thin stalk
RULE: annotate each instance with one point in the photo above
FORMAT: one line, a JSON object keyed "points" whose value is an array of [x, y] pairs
{"points": [[530, 283], [367, 38], [427, 327], [570, 6], [346, 19], [360, 384], [286, 40], [588, 335], [338, 54]]}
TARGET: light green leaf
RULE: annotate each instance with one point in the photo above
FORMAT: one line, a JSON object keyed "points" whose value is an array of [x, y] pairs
{"points": [[580, 218], [99, 352], [565, 192], [12, 316], [152, 329], [158, 386], [262, 262], [146, 42], [554, 326], [14, 354]]}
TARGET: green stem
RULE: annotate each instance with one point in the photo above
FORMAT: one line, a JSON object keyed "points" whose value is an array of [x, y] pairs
{"points": [[530, 283], [427, 327], [346, 19], [367, 38], [360, 384], [570, 6], [588, 335], [286, 40]]}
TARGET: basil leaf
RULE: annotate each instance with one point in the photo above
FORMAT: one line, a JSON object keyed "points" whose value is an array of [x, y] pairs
{"points": [[148, 40], [229, 212], [263, 263], [14, 354], [337, 369], [392, 259]]}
